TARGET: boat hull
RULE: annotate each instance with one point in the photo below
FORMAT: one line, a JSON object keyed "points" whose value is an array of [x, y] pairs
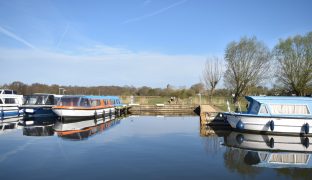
{"points": [[38, 111], [75, 115], [264, 124], [7, 112]]}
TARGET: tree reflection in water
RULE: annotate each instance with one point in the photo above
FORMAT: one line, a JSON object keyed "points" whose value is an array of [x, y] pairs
{"points": [[240, 161]]}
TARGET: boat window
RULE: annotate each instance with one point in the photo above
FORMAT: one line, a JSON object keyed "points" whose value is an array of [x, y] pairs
{"points": [[30, 100], [14, 92], [69, 101], [85, 102], [41, 100], [10, 101], [1, 101], [56, 100], [50, 100], [95, 102], [7, 92], [263, 110], [289, 109]]}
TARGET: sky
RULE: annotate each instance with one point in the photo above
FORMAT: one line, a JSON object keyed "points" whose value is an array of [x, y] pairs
{"points": [[134, 43]]}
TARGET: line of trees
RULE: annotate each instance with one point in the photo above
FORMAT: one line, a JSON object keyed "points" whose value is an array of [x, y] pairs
{"points": [[169, 91], [249, 63]]}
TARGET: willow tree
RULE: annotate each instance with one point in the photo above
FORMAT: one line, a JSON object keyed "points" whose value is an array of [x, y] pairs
{"points": [[294, 59], [247, 64], [212, 73]]}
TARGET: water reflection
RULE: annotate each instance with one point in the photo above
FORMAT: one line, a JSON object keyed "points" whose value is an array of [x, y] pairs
{"points": [[8, 126], [48, 126], [270, 150], [83, 129]]}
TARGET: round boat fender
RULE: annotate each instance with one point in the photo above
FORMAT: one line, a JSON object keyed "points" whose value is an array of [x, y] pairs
{"points": [[271, 123], [2, 114], [103, 114], [240, 138], [306, 142], [240, 125], [95, 117], [271, 143], [306, 128]]}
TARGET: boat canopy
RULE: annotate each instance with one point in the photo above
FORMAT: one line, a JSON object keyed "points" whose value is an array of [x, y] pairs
{"points": [[88, 101], [279, 105]]}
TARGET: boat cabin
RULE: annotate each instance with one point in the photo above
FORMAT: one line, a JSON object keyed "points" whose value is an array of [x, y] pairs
{"points": [[89, 101], [279, 105]]}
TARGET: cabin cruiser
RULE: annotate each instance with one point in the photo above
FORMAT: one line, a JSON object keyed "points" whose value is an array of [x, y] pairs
{"points": [[39, 104], [272, 151], [78, 108], [274, 114], [9, 104]]}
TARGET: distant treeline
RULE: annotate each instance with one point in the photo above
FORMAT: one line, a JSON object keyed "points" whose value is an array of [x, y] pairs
{"points": [[168, 91]]}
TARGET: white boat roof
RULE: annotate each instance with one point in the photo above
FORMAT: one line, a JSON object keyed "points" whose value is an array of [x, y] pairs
{"points": [[280, 99]]}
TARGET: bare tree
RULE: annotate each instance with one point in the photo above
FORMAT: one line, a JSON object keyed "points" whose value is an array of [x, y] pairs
{"points": [[212, 73], [247, 63], [294, 59]]}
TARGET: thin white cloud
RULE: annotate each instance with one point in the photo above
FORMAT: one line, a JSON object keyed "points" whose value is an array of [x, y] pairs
{"points": [[62, 36], [91, 67], [16, 37], [154, 13], [101, 49]]}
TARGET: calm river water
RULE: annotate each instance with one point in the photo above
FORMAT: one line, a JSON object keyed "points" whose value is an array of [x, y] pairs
{"points": [[148, 147]]}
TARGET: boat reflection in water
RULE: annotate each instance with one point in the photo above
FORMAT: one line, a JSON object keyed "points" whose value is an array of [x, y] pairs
{"points": [[271, 151], [81, 130], [38, 126], [8, 126]]}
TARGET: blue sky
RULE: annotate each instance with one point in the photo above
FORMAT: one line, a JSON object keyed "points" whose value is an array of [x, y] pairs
{"points": [[138, 42]]}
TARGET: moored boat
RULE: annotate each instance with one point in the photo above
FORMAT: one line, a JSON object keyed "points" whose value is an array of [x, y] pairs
{"points": [[9, 104], [274, 114], [40, 104], [78, 108]]}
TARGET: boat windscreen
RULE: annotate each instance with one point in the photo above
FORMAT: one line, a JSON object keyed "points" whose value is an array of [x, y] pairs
{"points": [[36, 100]]}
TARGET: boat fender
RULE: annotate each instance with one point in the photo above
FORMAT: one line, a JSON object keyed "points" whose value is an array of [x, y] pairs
{"points": [[2, 114], [306, 128], [95, 117], [272, 142], [103, 114], [110, 113], [240, 138], [306, 142], [272, 125], [240, 125]]}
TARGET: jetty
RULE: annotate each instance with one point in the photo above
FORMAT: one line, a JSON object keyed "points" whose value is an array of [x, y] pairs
{"points": [[209, 115]]}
